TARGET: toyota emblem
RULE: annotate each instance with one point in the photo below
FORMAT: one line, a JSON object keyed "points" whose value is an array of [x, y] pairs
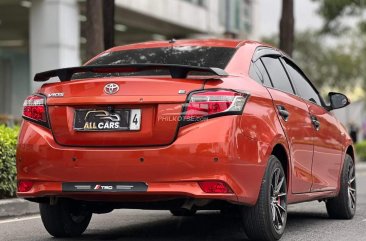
{"points": [[111, 88]]}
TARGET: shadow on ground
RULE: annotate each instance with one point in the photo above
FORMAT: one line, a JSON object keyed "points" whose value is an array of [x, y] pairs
{"points": [[203, 226]]}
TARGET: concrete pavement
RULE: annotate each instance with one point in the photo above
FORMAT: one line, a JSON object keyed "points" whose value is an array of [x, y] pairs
{"points": [[17, 207]]}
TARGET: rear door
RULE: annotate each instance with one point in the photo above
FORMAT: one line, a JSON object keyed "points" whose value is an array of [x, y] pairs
{"points": [[327, 146], [293, 114]]}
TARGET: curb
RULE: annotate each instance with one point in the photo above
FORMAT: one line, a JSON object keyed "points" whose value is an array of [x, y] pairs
{"points": [[17, 207]]}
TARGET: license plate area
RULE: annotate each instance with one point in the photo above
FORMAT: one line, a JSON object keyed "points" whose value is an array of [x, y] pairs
{"points": [[107, 120]]}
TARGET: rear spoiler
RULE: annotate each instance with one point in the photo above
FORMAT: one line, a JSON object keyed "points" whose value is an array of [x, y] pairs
{"points": [[176, 71]]}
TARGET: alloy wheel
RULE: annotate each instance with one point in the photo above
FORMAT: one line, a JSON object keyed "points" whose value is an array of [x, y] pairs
{"points": [[352, 187], [278, 199]]}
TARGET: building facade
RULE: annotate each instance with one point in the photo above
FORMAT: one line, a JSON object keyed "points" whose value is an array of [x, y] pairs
{"points": [[39, 35]]}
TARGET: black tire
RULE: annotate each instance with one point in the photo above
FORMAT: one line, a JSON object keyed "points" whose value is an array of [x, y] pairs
{"points": [[182, 212], [344, 205], [260, 222], [65, 219]]}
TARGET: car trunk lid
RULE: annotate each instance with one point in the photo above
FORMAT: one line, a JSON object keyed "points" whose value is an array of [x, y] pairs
{"points": [[159, 100]]}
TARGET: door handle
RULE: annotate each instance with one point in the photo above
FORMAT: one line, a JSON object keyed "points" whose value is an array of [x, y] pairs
{"points": [[315, 122], [283, 112]]}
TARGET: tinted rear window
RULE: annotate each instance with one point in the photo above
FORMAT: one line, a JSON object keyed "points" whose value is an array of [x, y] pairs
{"points": [[198, 56]]}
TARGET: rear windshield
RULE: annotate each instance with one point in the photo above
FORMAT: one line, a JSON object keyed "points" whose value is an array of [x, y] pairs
{"points": [[197, 56]]}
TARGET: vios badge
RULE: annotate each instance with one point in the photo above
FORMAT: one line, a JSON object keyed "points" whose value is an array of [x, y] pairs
{"points": [[111, 88]]}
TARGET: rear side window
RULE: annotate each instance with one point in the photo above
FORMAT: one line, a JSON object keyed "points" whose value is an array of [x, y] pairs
{"points": [[259, 73], [254, 73], [262, 69], [304, 89], [277, 74]]}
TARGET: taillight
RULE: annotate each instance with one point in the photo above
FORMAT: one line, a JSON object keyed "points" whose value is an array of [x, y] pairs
{"points": [[34, 109], [205, 104]]}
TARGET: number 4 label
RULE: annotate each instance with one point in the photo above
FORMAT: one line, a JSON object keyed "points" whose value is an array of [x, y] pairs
{"points": [[135, 119]]}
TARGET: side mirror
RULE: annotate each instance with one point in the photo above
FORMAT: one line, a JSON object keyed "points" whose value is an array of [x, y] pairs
{"points": [[338, 100]]}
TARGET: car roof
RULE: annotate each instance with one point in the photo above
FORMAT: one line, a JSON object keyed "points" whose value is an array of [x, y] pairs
{"points": [[229, 43]]}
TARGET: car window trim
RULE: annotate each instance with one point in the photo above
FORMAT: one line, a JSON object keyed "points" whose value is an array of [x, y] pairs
{"points": [[297, 68], [292, 94], [258, 71], [276, 57], [263, 51], [288, 75], [269, 77], [254, 67]]}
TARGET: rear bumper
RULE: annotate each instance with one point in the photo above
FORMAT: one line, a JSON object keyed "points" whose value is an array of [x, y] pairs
{"points": [[210, 150]]}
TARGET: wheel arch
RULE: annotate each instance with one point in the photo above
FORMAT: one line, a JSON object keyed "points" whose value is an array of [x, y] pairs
{"points": [[350, 151], [280, 152]]}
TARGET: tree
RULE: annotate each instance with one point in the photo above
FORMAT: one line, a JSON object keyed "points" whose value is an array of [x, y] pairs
{"points": [[350, 57], [108, 19], [94, 28], [333, 12], [328, 66], [99, 26], [287, 27], [332, 63]]}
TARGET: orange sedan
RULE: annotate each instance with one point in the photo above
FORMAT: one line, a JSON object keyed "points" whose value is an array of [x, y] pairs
{"points": [[183, 126]]}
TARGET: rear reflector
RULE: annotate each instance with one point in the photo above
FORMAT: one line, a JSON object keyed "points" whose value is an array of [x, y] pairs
{"points": [[34, 109], [24, 186], [215, 187]]}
